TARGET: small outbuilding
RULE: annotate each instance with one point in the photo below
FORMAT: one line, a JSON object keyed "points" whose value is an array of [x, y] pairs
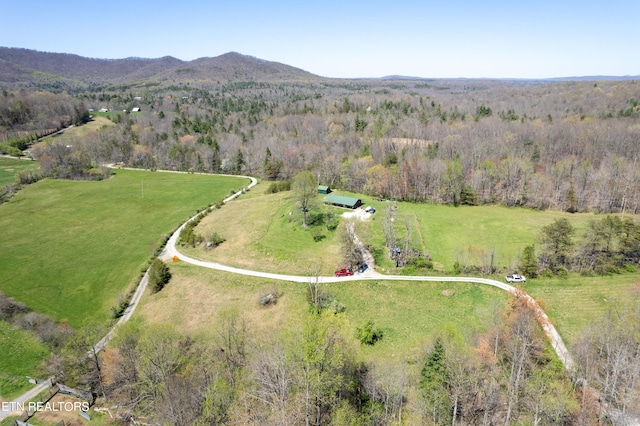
{"points": [[324, 189], [342, 201]]}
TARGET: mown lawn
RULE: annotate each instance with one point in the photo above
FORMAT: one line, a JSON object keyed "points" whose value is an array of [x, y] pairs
{"points": [[467, 234], [262, 234], [69, 248], [72, 135], [266, 240]]}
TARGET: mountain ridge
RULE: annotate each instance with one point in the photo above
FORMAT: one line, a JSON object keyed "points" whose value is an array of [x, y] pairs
{"points": [[21, 65]]}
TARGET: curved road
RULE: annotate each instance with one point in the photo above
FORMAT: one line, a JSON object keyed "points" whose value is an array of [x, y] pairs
{"points": [[171, 251]]}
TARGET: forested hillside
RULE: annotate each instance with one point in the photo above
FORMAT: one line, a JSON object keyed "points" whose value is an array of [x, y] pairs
{"points": [[561, 145]]}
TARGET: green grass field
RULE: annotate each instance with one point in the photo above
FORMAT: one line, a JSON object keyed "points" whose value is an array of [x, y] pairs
{"points": [[69, 248], [72, 135], [411, 314], [576, 301], [266, 240], [21, 354], [260, 235], [9, 169], [467, 234]]}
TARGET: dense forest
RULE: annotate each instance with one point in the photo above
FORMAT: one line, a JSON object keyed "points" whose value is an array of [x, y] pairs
{"points": [[563, 145], [546, 145]]}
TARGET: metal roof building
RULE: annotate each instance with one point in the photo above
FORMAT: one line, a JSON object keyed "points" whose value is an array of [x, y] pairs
{"points": [[342, 201]]}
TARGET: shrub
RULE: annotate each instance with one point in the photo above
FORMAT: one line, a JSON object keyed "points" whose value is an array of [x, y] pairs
{"points": [[27, 177], [317, 235], [159, 275], [335, 306], [368, 334], [269, 296], [420, 262], [213, 240], [275, 187], [121, 305], [188, 237]]}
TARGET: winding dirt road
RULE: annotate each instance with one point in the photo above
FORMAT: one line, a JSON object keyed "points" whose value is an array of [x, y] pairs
{"points": [[171, 251]]}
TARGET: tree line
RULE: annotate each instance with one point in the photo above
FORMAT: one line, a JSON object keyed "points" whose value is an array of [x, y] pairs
{"points": [[608, 245]]}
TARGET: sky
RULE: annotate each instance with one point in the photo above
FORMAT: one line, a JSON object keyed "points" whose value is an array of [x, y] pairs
{"points": [[347, 39]]}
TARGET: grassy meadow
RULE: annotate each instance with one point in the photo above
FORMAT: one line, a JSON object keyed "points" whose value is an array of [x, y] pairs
{"points": [[10, 168], [72, 135], [266, 240], [411, 314], [467, 234], [574, 302], [260, 234], [69, 248], [21, 354]]}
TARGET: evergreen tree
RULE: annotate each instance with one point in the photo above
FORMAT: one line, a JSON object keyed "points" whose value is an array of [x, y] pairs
{"points": [[433, 379], [528, 262], [468, 196], [558, 243], [238, 162]]}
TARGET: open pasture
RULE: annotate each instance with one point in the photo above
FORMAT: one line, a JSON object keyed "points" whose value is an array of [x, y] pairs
{"points": [[70, 248], [411, 314]]}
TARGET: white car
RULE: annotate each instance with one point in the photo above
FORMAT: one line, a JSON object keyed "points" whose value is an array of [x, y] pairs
{"points": [[515, 278]]}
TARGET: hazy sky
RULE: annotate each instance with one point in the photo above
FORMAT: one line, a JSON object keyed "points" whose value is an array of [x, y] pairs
{"points": [[343, 38]]}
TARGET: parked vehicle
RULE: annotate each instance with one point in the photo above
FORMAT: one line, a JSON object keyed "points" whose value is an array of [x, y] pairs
{"points": [[515, 278], [362, 268], [343, 272]]}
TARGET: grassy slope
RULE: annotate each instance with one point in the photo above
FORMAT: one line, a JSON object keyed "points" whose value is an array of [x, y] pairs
{"points": [[72, 135], [467, 233], [574, 302], [260, 236], [265, 239], [446, 232], [21, 354], [410, 313], [9, 169], [69, 247]]}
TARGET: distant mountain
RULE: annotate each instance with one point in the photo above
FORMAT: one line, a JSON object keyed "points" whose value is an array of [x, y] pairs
{"points": [[25, 65], [597, 78], [62, 70]]}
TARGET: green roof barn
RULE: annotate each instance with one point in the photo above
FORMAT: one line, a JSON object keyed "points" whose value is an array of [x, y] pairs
{"points": [[342, 201], [323, 189]]}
